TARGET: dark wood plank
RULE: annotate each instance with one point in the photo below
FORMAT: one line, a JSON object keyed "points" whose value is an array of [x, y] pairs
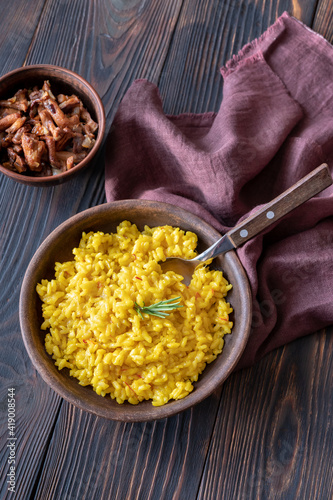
{"points": [[15, 36], [191, 79], [274, 441], [239, 465], [93, 458], [322, 22], [65, 453], [36, 404], [15, 369], [112, 44], [121, 47]]}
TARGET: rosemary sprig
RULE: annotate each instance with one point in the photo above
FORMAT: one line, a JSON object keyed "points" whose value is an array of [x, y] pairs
{"points": [[160, 309]]}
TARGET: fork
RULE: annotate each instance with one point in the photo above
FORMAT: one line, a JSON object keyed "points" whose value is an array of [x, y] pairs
{"points": [[307, 187]]}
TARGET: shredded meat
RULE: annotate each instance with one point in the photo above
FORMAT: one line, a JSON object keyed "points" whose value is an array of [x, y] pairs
{"points": [[17, 138], [57, 114], [8, 120], [49, 125], [16, 125], [17, 162], [33, 150], [68, 135], [18, 101], [41, 134], [50, 143], [70, 103], [90, 126]]}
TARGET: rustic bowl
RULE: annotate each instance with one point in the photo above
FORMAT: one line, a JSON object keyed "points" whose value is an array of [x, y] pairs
{"points": [[57, 247], [62, 81]]}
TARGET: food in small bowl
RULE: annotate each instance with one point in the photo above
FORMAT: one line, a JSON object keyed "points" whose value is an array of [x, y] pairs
{"points": [[131, 331], [51, 124], [121, 350]]}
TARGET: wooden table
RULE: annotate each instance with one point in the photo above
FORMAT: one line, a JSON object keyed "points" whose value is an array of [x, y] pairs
{"points": [[267, 432]]}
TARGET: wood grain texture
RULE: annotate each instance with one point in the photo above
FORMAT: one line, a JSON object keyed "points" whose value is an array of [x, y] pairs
{"points": [[274, 440], [200, 48], [33, 398], [110, 45], [36, 405], [94, 458], [323, 20], [15, 36], [267, 433]]}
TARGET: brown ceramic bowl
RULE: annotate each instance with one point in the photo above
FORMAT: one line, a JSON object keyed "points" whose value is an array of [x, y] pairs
{"points": [[62, 81], [58, 245]]}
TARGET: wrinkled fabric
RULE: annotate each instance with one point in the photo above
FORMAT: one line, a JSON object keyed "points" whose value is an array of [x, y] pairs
{"points": [[274, 125]]}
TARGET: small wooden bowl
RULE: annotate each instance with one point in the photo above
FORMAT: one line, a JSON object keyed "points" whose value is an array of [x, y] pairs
{"points": [[57, 247], [62, 81]]}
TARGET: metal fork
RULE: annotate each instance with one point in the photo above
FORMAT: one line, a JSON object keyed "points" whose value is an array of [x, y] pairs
{"points": [[303, 190]]}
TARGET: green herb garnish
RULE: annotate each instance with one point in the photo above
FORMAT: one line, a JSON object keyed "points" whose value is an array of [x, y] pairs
{"points": [[160, 309]]}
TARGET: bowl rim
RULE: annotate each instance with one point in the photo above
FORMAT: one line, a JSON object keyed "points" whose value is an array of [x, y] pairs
{"points": [[56, 179], [58, 385]]}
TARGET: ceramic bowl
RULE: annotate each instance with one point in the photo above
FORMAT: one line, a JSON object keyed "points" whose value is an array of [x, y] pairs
{"points": [[57, 247], [62, 81]]}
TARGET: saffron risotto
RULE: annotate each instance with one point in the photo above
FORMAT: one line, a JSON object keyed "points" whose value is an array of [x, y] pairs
{"points": [[93, 327]]}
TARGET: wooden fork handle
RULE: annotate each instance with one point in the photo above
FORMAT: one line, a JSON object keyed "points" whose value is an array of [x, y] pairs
{"points": [[310, 185]]}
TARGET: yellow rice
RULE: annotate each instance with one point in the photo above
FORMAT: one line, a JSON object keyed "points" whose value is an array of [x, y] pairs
{"points": [[94, 330]]}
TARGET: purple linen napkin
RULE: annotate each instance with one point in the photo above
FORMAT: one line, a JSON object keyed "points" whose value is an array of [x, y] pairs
{"points": [[274, 126]]}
